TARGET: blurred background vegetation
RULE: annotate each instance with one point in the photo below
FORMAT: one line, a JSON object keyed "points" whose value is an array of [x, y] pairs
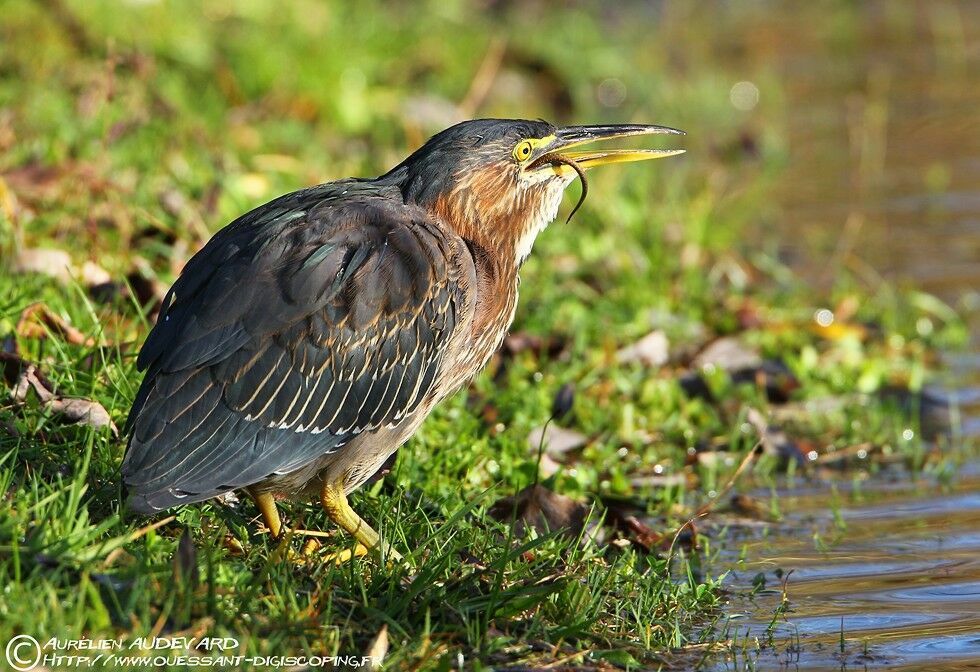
{"points": [[835, 137], [827, 212]]}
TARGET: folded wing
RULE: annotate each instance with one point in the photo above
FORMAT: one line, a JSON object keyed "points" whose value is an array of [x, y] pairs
{"points": [[315, 318]]}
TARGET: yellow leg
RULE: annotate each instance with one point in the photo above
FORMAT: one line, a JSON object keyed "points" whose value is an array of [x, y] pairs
{"points": [[270, 514], [334, 501]]}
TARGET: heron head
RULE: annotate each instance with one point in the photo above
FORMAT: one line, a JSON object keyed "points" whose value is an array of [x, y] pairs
{"points": [[499, 182]]}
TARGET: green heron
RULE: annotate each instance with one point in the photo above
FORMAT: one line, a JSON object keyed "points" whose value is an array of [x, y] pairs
{"points": [[309, 339]]}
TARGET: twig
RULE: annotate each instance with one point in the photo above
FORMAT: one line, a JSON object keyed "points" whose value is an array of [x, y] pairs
{"points": [[749, 458]]}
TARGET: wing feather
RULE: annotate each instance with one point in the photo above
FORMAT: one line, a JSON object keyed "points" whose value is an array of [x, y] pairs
{"points": [[297, 327]]}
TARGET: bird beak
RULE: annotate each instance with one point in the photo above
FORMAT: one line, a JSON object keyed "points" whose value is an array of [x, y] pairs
{"points": [[575, 136]]}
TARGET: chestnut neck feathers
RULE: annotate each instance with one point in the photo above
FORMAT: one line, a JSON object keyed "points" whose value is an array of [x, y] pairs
{"points": [[495, 210]]}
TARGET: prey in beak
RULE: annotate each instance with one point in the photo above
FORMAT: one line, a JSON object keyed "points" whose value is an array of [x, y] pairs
{"points": [[555, 155]]}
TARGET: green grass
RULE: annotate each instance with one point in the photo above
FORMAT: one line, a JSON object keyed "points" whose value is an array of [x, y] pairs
{"points": [[128, 133]]}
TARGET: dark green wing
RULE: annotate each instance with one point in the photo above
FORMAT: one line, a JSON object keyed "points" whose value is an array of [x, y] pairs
{"points": [[319, 316]]}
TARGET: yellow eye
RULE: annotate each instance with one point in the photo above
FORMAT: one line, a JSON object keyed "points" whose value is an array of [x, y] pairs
{"points": [[523, 150]]}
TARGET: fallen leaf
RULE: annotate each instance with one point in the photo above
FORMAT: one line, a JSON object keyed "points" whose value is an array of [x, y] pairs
{"points": [[623, 515], [729, 354], [81, 411], [548, 467], [12, 366], [633, 528], [651, 350], [35, 182], [28, 378], [38, 319], [147, 288], [541, 509], [140, 283], [50, 262], [557, 440], [377, 649], [92, 274], [75, 410], [749, 316]]}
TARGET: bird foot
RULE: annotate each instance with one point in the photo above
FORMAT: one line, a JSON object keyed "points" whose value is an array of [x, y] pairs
{"points": [[308, 553], [346, 555]]}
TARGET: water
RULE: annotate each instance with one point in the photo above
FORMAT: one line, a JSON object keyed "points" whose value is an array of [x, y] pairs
{"points": [[882, 128], [883, 125], [897, 571]]}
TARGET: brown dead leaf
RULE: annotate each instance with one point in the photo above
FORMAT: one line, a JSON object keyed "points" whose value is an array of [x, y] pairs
{"points": [[548, 467], [635, 527], [37, 320], [73, 410], [12, 366], [79, 411], [748, 313], [92, 274], [140, 283], [652, 350], [557, 440], [377, 649], [728, 354], [50, 262], [148, 289], [57, 264], [36, 184], [542, 509], [632, 527]]}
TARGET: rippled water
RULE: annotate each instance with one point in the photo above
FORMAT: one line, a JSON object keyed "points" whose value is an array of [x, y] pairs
{"points": [[883, 125], [897, 571], [882, 180]]}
